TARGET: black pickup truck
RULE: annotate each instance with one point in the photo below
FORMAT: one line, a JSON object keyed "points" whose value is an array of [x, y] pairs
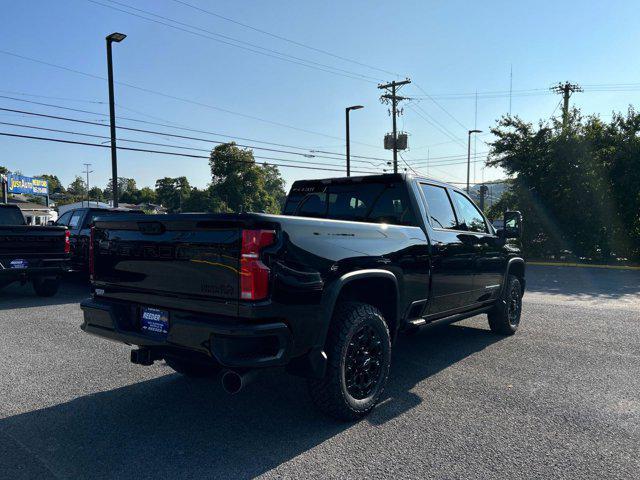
{"points": [[31, 253], [323, 289], [79, 221]]}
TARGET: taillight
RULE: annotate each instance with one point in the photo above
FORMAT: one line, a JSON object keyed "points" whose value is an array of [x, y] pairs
{"points": [[67, 241], [254, 275], [91, 260]]}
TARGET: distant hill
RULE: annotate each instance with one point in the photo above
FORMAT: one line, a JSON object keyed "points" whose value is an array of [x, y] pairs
{"points": [[496, 189]]}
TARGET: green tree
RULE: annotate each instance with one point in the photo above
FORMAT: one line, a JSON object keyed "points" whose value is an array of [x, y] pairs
{"points": [[96, 194], [147, 195], [55, 185], [577, 187], [241, 184], [3, 170], [77, 188], [172, 193]]}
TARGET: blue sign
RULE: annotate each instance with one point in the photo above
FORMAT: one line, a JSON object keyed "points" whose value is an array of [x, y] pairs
{"points": [[28, 185]]}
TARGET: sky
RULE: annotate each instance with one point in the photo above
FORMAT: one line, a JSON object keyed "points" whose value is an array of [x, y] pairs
{"points": [[282, 72]]}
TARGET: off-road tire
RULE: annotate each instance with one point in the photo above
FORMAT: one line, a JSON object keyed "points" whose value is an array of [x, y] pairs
{"points": [[46, 287], [504, 318], [352, 320], [191, 368]]}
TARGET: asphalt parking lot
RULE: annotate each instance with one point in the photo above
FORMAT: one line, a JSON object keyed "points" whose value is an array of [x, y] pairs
{"points": [[560, 399]]}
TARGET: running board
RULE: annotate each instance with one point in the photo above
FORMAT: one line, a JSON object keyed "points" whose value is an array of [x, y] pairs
{"points": [[419, 322]]}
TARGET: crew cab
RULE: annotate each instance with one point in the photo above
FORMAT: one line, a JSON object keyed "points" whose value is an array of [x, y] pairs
{"points": [[79, 222], [36, 254], [323, 289]]}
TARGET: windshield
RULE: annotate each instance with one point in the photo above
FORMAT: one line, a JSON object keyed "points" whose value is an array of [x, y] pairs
{"points": [[11, 216]]}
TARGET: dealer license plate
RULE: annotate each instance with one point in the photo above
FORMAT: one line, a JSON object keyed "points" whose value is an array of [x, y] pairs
{"points": [[154, 321]]}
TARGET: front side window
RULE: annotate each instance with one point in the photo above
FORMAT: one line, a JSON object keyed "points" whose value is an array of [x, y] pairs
{"points": [[64, 219], [439, 207], [470, 217], [75, 219]]}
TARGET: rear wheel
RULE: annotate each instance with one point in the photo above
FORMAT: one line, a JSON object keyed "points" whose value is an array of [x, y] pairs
{"points": [[358, 348], [46, 287], [191, 368], [504, 318]]}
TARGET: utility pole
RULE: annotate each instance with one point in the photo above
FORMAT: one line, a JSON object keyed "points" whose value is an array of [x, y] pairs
{"points": [[87, 171], [483, 192], [394, 86], [566, 89], [469, 156], [3, 184], [510, 87]]}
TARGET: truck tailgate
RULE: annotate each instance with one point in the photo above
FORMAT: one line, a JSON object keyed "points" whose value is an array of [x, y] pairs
{"points": [[186, 261], [31, 240]]}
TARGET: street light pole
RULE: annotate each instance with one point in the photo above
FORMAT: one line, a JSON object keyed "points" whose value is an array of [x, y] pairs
{"points": [[114, 37], [469, 155], [346, 111]]}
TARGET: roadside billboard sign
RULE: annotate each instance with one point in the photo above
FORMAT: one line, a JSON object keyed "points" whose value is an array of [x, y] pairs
{"points": [[27, 185]]}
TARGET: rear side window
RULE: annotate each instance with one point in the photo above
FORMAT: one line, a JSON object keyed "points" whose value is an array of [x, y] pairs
{"points": [[11, 216], [393, 206], [439, 206], [313, 205], [353, 201], [471, 218]]}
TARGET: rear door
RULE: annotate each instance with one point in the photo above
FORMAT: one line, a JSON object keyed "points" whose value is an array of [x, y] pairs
{"points": [[451, 255], [489, 258]]}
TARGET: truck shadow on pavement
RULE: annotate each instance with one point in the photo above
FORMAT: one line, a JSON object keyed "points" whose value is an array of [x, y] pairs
{"points": [[171, 427], [73, 289]]}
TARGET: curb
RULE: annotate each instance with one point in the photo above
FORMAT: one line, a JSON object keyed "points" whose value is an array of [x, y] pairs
{"points": [[584, 265]]}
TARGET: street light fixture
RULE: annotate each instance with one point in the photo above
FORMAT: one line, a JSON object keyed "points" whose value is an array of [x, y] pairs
{"points": [[117, 38], [469, 155], [347, 110]]}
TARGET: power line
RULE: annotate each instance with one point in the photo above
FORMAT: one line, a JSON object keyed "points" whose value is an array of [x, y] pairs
{"points": [[226, 40], [161, 152], [89, 135], [313, 153], [166, 134], [180, 99], [442, 108], [280, 37], [433, 122]]}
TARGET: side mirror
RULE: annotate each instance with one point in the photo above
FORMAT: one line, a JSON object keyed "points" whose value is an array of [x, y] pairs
{"points": [[512, 225], [51, 223]]}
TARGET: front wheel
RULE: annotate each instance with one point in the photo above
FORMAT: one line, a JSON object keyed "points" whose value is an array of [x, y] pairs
{"points": [[46, 287], [504, 318], [358, 348]]}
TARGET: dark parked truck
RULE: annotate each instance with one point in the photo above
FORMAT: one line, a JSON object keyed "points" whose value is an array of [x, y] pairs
{"points": [[323, 289], [79, 221], [31, 253]]}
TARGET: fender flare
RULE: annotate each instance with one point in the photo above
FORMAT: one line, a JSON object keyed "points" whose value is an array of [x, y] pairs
{"points": [[510, 263], [331, 294]]}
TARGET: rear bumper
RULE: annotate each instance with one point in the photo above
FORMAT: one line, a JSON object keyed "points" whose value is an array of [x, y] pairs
{"points": [[42, 268], [231, 342]]}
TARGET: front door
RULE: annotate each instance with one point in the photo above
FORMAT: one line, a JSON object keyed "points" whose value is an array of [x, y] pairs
{"points": [[452, 256], [489, 257]]}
